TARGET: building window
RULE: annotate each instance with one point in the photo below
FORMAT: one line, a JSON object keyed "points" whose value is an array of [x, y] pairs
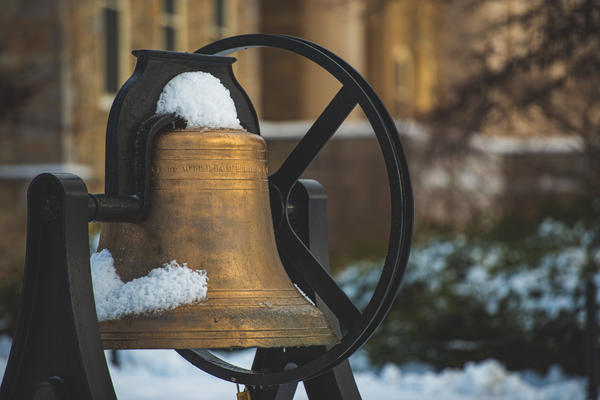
{"points": [[403, 82], [169, 6], [113, 17], [220, 17], [111, 49], [169, 38], [170, 25]]}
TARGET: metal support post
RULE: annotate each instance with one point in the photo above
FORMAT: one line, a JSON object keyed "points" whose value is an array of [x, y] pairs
{"points": [[57, 352], [308, 203]]}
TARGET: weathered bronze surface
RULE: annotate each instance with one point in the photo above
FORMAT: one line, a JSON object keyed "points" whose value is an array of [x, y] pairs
{"points": [[209, 208]]}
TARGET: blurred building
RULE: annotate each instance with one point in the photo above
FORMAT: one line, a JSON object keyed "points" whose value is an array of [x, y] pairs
{"points": [[392, 43], [62, 61]]}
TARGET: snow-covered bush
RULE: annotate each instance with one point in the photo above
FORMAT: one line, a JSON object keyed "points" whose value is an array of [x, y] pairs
{"points": [[472, 298]]}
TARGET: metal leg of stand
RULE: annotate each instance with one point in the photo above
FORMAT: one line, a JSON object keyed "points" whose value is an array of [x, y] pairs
{"points": [[309, 218], [57, 353], [336, 384], [273, 360]]}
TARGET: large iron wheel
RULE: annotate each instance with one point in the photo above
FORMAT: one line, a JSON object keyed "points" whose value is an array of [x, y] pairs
{"points": [[356, 326]]}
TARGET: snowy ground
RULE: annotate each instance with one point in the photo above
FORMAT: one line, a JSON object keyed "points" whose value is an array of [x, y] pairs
{"points": [[163, 374]]}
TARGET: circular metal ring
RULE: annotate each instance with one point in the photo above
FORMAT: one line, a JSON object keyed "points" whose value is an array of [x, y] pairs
{"points": [[359, 327]]}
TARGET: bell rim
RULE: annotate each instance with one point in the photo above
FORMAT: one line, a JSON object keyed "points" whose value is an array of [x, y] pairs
{"points": [[211, 324]]}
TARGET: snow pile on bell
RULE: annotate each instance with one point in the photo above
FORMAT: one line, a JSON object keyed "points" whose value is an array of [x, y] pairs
{"points": [[162, 289], [200, 99]]}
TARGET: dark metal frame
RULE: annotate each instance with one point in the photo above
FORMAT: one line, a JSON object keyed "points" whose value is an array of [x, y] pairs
{"points": [[309, 219], [56, 351], [301, 264], [57, 345]]}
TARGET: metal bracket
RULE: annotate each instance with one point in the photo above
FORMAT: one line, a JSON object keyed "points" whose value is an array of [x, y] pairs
{"points": [[308, 215], [57, 352], [136, 102]]}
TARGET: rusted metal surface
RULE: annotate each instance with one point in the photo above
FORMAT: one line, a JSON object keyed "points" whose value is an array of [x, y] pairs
{"points": [[209, 208]]}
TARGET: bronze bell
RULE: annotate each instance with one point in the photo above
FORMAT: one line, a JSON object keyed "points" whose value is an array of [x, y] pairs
{"points": [[209, 207]]}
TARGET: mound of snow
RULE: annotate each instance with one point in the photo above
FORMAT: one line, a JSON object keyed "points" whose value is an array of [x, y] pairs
{"points": [[162, 289], [200, 99]]}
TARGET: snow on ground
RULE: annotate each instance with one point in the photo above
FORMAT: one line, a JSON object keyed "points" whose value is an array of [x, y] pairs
{"points": [[163, 374], [162, 289], [200, 99]]}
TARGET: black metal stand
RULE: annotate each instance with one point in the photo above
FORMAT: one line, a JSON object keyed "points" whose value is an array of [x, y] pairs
{"points": [[57, 352], [309, 220]]}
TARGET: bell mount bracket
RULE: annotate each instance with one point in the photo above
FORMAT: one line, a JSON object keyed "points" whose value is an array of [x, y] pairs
{"points": [[133, 124]]}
